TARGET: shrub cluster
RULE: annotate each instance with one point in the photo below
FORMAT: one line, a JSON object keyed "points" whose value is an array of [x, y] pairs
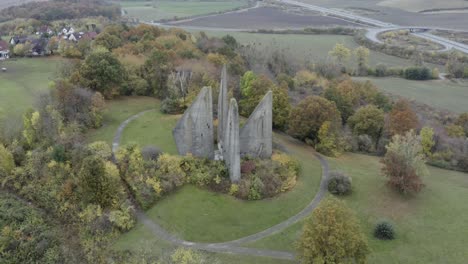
{"points": [[418, 73], [267, 178], [339, 183], [150, 179]]}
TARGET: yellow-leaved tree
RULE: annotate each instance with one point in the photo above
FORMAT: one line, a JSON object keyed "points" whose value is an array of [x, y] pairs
{"points": [[332, 235]]}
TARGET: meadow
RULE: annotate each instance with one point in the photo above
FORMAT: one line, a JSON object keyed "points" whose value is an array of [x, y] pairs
{"points": [[426, 224], [23, 81], [442, 94], [157, 10], [310, 48]]}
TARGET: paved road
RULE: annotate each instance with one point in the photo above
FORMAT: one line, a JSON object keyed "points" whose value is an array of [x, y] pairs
{"points": [[339, 13], [381, 26], [234, 246]]}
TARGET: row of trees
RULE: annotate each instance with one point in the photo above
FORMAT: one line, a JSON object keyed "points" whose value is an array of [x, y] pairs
{"points": [[57, 10]]}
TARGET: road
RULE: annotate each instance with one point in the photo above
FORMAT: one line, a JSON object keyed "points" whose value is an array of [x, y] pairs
{"points": [[380, 26]]}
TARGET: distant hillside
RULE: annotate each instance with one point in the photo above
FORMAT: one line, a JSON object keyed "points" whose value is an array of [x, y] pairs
{"points": [[59, 9], [8, 3]]}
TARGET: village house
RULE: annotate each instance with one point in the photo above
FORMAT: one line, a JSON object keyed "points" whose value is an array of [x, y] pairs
{"points": [[81, 35], [38, 45], [66, 31], [45, 31], [4, 50]]}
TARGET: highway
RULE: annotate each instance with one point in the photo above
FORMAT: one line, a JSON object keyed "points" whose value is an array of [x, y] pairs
{"points": [[380, 26]]}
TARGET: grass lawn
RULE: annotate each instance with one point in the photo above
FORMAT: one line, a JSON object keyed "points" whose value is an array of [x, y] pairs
{"points": [[153, 128], [443, 94], [310, 47], [23, 81], [142, 242], [203, 216], [117, 111], [145, 10], [430, 227]]}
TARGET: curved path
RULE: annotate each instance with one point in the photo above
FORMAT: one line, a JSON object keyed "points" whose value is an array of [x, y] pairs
{"points": [[234, 246]]}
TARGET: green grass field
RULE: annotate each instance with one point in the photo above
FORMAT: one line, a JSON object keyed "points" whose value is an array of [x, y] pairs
{"points": [[153, 128], [310, 48], [143, 242], [430, 226], [443, 94], [117, 111], [200, 215], [148, 11], [23, 81]]}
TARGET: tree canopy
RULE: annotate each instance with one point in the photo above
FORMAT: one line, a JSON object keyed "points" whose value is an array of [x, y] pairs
{"points": [[332, 236]]}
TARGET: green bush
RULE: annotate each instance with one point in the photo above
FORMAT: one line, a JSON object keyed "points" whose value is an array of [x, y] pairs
{"points": [[171, 106], [418, 73], [339, 184], [384, 231]]}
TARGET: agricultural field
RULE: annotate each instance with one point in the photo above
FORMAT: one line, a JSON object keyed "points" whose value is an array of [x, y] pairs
{"points": [[442, 94], [265, 18], [405, 12], [437, 212], [23, 81], [310, 48], [421, 5], [157, 10], [458, 36]]}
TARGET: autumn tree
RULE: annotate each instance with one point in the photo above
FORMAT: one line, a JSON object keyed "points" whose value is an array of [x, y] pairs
{"points": [[362, 57], [349, 95], [404, 163], [102, 72], [99, 181], [332, 235], [368, 120], [427, 140], [340, 53], [305, 78], [156, 71], [108, 41], [402, 118], [329, 140], [187, 256], [254, 88], [308, 116], [7, 163], [462, 121], [281, 106]]}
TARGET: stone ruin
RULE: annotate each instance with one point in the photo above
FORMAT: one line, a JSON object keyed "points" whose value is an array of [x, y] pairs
{"points": [[194, 131]]}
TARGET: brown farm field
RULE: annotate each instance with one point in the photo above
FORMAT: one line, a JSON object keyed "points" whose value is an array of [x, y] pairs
{"points": [[400, 11], [264, 18]]}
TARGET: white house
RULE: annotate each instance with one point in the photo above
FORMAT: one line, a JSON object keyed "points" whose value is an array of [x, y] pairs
{"points": [[68, 30], [4, 51]]}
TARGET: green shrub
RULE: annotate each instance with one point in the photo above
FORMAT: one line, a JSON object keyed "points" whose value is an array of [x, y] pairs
{"points": [[418, 73], [339, 184], [384, 231], [171, 106]]}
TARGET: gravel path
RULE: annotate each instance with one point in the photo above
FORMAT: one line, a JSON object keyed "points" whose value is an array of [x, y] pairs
{"points": [[234, 246]]}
